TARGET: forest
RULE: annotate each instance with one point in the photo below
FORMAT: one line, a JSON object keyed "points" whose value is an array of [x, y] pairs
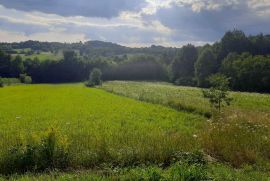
{"points": [[243, 59]]}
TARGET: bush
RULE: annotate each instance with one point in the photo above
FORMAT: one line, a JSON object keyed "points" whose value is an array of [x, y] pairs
{"points": [[25, 79], [89, 84], [49, 152], [94, 78], [9, 81]]}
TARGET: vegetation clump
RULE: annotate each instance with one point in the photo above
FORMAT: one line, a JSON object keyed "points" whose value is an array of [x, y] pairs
{"points": [[218, 93], [25, 79], [239, 139], [45, 152], [1, 82], [94, 78]]}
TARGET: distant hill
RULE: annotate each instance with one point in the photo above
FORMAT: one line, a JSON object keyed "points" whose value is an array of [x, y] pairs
{"points": [[89, 48]]}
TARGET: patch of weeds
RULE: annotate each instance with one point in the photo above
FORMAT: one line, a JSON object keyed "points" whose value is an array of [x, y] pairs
{"points": [[47, 152]]}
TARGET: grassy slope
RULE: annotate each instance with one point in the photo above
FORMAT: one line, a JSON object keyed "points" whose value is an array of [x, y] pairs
{"points": [[186, 98], [240, 136]]}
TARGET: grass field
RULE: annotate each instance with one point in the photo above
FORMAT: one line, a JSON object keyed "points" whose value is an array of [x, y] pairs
{"points": [[185, 98], [99, 127], [238, 136], [119, 138]]}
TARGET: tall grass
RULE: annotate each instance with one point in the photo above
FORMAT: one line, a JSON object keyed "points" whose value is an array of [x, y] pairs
{"points": [[239, 136], [239, 139], [37, 153], [184, 98]]}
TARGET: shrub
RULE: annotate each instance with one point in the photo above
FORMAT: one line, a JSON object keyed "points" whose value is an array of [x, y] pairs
{"points": [[89, 84], [9, 81], [28, 80], [25, 79], [94, 78], [218, 93], [48, 152]]}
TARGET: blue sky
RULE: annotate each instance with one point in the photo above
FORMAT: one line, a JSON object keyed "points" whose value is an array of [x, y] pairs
{"points": [[131, 22]]}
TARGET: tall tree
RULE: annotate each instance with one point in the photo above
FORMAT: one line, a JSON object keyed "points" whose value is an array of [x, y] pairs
{"points": [[205, 66], [17, 66], [233, 41], [182, 67]]}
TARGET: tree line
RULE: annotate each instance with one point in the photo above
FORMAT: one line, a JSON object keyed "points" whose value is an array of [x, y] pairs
{"points": [[245, 60]]}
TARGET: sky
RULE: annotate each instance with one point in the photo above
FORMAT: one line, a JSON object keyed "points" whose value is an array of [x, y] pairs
{"points": [[133, 23]]}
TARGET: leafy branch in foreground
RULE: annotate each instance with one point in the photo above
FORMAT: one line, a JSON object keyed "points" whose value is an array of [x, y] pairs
{"points": [[218, 94]]}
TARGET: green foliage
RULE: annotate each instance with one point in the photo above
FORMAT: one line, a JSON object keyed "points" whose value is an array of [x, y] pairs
{"points": [[45, 152], [218, 93], [182, 67], [17, 66], [25, 79], [214, 172], [248, 72], [187, 66], [10, 81], [1, 82], [187, 99], [239, 139], [234, 41], [137, 67], [205, 66], [121, 138], [186, 172], [70, 55], [43, 56], [94, 78]]}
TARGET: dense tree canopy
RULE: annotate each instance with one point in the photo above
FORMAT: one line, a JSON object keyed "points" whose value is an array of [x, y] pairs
{"points": [[182, 68], [245, 59], [205, 66]]}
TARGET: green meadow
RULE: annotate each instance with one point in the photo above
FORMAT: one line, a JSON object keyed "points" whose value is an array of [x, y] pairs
{"points": [[42, 56], [185, 98], [131, 130]]}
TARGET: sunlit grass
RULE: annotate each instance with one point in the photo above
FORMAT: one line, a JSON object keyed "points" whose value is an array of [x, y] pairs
{"points": [[238, 136], [100, 127], [185, 98]]}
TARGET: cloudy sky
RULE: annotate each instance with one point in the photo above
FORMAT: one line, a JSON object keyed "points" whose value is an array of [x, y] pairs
{"points": [[131, 22]]}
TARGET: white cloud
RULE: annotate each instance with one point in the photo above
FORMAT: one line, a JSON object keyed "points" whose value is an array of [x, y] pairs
{"points": [[165, 22], [7, 36]]}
